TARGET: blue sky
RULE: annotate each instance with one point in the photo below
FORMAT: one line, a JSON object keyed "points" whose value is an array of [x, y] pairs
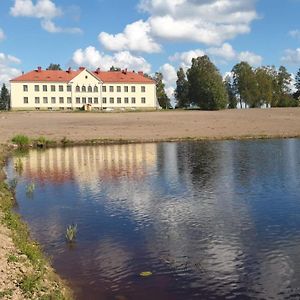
{"points": [[148, 35]]}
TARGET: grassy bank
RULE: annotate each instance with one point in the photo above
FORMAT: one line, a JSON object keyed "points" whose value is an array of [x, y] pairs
{"points": [[30, 275]]}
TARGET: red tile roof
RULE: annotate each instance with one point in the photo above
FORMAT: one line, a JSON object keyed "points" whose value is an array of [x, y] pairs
{"points": [[47, 76], [66, 76], [122, 77]]}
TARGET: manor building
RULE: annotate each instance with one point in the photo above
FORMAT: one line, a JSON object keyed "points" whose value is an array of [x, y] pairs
{"points": [[77, 89]]}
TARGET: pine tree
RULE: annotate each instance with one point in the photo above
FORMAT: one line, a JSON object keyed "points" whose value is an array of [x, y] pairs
{"points": [[232, 100], [163, 99], [182, 89], [4, 98]]}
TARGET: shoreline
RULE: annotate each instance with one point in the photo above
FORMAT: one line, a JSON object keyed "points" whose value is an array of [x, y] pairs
{"points": [[25, 270]]}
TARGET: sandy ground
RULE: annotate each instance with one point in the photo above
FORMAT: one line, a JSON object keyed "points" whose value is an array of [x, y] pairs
{"points": [[152, 126]]}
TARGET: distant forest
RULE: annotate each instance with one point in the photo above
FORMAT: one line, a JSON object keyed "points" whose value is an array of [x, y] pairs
{"points": [[203, 87]]}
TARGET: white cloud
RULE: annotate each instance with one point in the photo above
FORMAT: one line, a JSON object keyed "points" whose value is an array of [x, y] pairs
{"points": [[92, 58], [225, 52], [169, 79], [49, 26], [2, 35], [210, 22], [136, 37], [185, 58], [291, 56], [252, 58], [46, 10], [295, 33], [7, 71]]}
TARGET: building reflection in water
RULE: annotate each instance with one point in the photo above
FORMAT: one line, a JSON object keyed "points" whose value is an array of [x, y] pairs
{"points": [[219, 216]]}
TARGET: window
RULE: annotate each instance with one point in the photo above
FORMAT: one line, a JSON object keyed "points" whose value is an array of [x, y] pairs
{"points": [[90, 89], [36, 88], [111, 100], [84, 100], [69, 88], [95, 89], [126, 100], [111, 89], [118, 89], [143, 100], [83, 89], [61, 88], [96, 101], [133, 100], [77, 100], [45, 100], [26, 100], [53, 100], [52, 88], [119, 100], [61, 99], [44, 88], [90, 100], [104, 100], [25, 88], [69, 100], [133, 89], [37, 100], [77, 88], [143, 89], [126, 89], [104, 89]]}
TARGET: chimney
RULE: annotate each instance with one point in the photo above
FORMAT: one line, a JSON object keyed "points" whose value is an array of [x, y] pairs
{"points": [[81, 68], [141, 73], [97, 71], [69, 70], [39, 69]]}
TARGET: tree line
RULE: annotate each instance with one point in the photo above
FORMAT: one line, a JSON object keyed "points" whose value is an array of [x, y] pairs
{"points": [[202, 86]]}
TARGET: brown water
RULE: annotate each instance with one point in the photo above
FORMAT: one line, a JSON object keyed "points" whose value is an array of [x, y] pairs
{"points": [[210, 220]]}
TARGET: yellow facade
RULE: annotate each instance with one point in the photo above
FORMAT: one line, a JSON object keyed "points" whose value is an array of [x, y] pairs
{"points": [[83, 90]]}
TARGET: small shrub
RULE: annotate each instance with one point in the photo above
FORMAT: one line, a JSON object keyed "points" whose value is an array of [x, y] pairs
{"points": [[22, 141], [13, 184], [30, 283], [65, 141], [71, 233]]}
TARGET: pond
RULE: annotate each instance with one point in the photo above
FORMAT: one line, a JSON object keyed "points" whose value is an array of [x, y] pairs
{"points": [[209, 220]]}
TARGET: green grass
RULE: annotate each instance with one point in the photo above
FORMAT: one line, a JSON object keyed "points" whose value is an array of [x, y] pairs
{"points": [[7, 292], [22, 141]]}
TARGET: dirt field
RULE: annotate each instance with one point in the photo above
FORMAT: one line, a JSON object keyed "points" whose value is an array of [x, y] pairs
{"points": [[152, 126]]}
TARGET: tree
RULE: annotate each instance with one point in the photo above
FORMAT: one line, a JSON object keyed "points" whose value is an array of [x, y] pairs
{"points": [[182, 89], [206, 88], [54, 67], [163, 99], [245, 84], [297, 86], [4, 98], [265, 85], [232, 100]]}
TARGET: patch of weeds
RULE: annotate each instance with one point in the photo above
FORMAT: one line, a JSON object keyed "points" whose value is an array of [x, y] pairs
{"points": [[22, 141], [19, 166], [4, 293], [71, 233], [12, 258], [42, 142], [30, 283], [30, 189], [13, 184], [65, 141], [55, 295]]}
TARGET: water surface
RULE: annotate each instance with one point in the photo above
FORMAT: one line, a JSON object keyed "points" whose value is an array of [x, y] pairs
{"points": [[210, 220]]}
